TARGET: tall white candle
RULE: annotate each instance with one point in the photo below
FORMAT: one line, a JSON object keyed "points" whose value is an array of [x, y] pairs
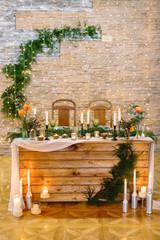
{"points": [[134, 180], [81, 117], [119, 114], [47, 118], [125, 189], [150, 181], [114, 122], [88, 113], [28, 175], [21, 186], [34, 112]]}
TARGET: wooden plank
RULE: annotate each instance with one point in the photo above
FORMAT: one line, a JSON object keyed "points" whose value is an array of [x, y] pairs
{"points": [[71, 155], [66, 197], [60, 172], [62, 189], [70, 172], [74, 164], [46, 181]]}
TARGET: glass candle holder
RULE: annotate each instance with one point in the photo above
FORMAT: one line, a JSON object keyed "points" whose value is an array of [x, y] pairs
{"points": [[88, 136], [96, 134], [44, 193], [17, 209], [74, 136]]}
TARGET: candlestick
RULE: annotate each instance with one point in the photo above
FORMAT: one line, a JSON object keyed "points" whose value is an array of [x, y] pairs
{"points": [[47, 118], [46, 133], [81, 129], [114, 134], [88, 113], [114, 122], [149, 203], [81, 117], [29, 194], [125, 201], [87, 127], [119, 114], [134, 194], [34, 112]]}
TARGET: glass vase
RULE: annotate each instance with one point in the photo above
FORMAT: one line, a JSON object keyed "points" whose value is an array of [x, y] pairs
{"points": [[137, 134], [127, 133], [24, 134]]}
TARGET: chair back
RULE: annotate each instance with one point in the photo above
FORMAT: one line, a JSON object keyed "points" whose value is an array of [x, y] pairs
{"points": [[64, 111], [100, 110]]}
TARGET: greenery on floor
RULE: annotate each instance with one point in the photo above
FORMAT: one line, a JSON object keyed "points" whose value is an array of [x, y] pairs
{"points": [[14, 97], [113, 186]]}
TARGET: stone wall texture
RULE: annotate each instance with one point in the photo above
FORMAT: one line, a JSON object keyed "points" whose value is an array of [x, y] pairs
{"points": [[123, 66]]}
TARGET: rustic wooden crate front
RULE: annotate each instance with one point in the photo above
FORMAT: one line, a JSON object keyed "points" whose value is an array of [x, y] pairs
{"points": [[68, 172]]}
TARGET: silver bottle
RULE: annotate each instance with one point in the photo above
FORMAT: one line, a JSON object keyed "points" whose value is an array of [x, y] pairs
{"points": [[29, 199]]}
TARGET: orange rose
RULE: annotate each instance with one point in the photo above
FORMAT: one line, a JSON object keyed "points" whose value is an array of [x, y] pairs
{"points": [[26, 107], [21, 112], [138, 109], [131, 129]]}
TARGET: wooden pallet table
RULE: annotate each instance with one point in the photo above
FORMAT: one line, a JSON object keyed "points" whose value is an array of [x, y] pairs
{"points": [[67, 172]]}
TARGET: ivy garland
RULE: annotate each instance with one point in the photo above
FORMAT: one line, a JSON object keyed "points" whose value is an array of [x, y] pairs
{"points": [[13, 96], [113, 186]]}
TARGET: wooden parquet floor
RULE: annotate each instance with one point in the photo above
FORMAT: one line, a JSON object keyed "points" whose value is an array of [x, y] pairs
{"points": [[76, 221]]}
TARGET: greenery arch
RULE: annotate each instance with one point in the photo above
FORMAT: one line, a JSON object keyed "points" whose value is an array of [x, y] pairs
{"points": [[13, 97]]}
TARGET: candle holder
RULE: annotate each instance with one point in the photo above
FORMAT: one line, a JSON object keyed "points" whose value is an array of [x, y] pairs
{"points": [[149, 202], [88, 127], [134, 200], [119, 129], [81, 129], [125, 206], [114, 134], [46, 133], [29, 199]]}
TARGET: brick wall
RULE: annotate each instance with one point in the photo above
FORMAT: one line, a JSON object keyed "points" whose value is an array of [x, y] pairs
{"points": [[123, 66]]}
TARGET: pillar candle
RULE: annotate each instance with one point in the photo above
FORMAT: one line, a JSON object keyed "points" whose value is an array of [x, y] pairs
{"points": [[47, 118], [16, 205], [150, 181], [125, 189], [88, 113], [34, 112], [28, 175], [114, 122], [81, 117], [134, 180], [119, 114]]}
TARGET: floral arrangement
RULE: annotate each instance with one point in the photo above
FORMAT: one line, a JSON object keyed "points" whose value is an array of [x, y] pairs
{"points": [[132, 123], [33, 123], [23, 114]]}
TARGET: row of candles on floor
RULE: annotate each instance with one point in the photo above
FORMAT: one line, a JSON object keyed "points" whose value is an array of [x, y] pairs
{"points": [[18, 202], [142, 194], [88, 117], [19, 205]]}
